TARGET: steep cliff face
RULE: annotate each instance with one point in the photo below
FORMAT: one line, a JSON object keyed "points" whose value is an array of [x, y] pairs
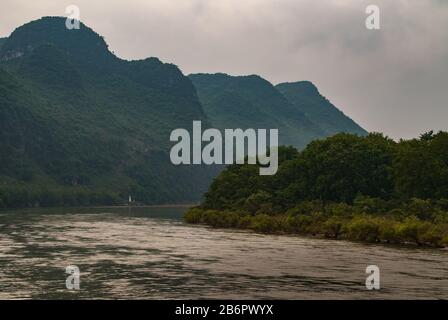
{"points": [[75, 115], [75, 120]]}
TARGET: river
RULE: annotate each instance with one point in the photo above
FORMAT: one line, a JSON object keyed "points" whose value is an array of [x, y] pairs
{"points": [[149, 253]]}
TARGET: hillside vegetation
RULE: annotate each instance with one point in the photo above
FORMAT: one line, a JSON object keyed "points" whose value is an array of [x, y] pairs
{"points": [[80, 126], [305, 97], [253, 102]]}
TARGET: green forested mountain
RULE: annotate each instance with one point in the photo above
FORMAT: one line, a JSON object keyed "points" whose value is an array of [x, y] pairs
{"points": [[252, 102], [78, 121], [80, 126], [298, 110], [306, 98]]}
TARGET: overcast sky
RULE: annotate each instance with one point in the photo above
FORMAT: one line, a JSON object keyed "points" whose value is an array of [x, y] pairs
{"points": [[393, 80]]}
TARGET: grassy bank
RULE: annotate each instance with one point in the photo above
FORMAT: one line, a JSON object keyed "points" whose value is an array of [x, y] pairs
{"points": [[416, 222]]}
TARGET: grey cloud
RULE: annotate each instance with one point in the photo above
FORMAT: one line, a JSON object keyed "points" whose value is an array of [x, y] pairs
{"points": [[393, 80]]}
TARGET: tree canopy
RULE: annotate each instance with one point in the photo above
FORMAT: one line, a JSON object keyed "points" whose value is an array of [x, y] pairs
{"points": [[339, 169]]}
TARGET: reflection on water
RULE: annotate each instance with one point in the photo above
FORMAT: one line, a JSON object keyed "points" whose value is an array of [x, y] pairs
{"points": [[152, 254]]}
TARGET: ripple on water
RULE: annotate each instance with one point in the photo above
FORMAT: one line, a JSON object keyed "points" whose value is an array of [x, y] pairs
{"points": [[152, 254]]}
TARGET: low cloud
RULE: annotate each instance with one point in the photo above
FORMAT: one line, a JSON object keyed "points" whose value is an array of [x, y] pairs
{"points": [[392, 80]]}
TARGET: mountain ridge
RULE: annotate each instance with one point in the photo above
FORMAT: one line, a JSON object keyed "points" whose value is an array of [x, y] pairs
{"points": [[251, 101], [80, 126], [92, 125], [305, 96]]}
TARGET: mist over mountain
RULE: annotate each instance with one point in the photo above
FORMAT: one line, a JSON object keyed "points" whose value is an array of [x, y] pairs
{"points": [[80, 126]]}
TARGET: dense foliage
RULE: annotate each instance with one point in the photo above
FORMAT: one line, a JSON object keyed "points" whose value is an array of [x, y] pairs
{"points": [[74, 118], [363, 188]]}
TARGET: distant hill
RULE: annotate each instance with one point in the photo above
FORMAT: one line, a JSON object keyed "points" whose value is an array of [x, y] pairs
{"points": [[2, 41], [76, 119], [298, 110], [253, 102], [306, 98]]}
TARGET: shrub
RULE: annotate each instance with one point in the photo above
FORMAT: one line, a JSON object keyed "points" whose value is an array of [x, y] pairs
{"points": [[332, 228], [430, 235], [334, 221], [363, 228], [422, 209], [305, 208], [264, 223], [193, 215], [257, 200], [408, 230], [388, 231], [300, 224]]}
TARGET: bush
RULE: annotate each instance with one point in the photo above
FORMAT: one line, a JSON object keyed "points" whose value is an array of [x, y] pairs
{"points": [[300, 223], [408, 230], [370, 205], [194, 215], [257, 200], [430, 235], [332, 228], [264, 223], [388, 231], [340, 210], [422, 209], [336, 221], [363, 228], [305, 208]]}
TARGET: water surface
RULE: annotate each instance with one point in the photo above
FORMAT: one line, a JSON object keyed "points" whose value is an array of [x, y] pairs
{"points": [[151, 254]]}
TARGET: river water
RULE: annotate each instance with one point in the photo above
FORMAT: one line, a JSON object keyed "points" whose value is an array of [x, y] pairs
{"points": [[149, 253]]}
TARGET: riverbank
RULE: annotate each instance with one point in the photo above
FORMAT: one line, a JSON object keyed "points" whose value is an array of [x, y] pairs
{"points": [[163, 210], [368, 188], [351, 226], [123, 206]]}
